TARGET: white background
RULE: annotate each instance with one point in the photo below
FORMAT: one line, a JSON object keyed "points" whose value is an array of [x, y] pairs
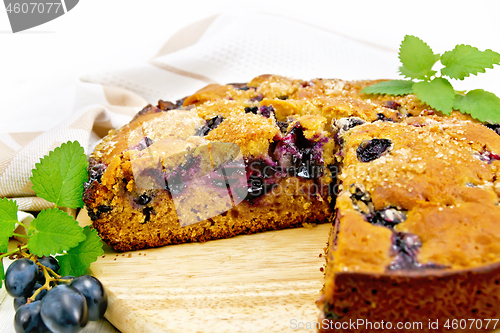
{"points": [[45, 60]]}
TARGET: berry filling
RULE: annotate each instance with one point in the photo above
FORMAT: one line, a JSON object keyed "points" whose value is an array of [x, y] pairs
{"points": [[370, 150], [266, 111], [405, 246], [388, 217], [102, 209], [393, 105], [299, 156], [488, 156], [143, 143], [95, 172], [253, 109], [382, 117], [210, 125]]}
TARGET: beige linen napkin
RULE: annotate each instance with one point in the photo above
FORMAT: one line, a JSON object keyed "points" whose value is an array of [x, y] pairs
{"points": [[230, 47]]}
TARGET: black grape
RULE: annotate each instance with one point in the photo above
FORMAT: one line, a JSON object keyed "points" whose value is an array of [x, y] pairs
{"points": [[28, 320], [92, 289], [64, 309], [18, 301], [49, 262], [21, 277]]}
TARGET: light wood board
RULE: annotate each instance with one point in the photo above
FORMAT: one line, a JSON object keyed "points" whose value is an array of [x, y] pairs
{"points": [[250, 283]]}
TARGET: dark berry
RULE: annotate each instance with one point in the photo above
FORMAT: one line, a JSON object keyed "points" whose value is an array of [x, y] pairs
{"points": [[382, 117], [257, 98], [179, 103], [143, 199], [21, 277], [64, 309], [143, 143], [50, 262], [266, 111], [388, 217], [392, 105], [102, 209], [28, 319], [405, 246], [210, 125], [370, 150], [165, 105], [253, 110], [18, 301], [94, 293], [95, 172], [283, 126], [239, 86], [147, 214], [345, 124]]}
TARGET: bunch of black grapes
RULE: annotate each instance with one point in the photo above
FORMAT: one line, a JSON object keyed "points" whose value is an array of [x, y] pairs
{"points": [[62, 304]]}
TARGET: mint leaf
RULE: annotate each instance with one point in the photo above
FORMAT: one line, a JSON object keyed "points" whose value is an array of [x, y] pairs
{"points": [[417, 58], [392, 87], [480, 104], [56, 232], [8, 220], [438, 94], [465, 60], [76, 261], [412, 75], [59, 177]]}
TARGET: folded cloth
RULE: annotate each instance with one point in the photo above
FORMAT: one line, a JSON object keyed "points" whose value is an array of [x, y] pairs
{"points": [[229, 47]]}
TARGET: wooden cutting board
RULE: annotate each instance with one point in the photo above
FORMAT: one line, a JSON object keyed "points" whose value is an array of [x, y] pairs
{"points": [[265, 282]]}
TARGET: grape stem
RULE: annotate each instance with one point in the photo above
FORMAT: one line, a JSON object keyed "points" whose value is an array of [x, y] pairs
{"points": [[46, 285], [49, 270], [7, 254]]}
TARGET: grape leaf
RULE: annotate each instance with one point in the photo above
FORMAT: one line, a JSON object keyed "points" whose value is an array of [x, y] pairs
{"points": [[417, 58], [76, 261], [465, 60], [8, 220], [56, 232], [59, 177], [480, 104], [392, 87], [438, 94]]}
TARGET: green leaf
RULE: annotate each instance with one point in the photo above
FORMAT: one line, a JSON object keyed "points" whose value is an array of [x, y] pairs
{"points": [[79, 258], [417, 58], [59, 177], [392, 87], [2, 273], [465, 60], [8, 220], [56, 232], [412, 75], [480, 104], [438, 94]]}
